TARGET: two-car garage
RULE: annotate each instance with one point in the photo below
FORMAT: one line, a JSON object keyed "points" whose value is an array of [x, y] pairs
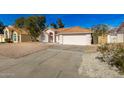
{"points": [[68, 36], [75, 39]]}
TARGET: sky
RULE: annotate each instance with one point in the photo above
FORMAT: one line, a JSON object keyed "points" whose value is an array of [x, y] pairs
{"points": [[69, 20]]}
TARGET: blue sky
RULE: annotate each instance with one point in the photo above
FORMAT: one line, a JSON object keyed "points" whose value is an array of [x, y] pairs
{"points": [[83, 20]]}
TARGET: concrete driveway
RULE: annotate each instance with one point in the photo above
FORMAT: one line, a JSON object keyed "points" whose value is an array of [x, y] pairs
{"points": [[57, 61]]}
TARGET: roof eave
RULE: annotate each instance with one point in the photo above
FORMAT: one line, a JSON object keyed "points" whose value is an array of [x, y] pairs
{"points": [[62, 33]]}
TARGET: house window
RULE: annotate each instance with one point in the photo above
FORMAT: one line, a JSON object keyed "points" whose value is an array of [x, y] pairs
{"points": [[14, 37]]}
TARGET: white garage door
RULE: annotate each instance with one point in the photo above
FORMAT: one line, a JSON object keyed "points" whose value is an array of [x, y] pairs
{"points": [[77, 39]]}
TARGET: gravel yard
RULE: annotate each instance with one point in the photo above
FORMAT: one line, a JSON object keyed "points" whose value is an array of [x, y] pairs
{"points": [[93, 68]]}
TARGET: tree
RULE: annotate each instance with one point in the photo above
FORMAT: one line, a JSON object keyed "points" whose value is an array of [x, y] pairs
{"points": [[60, 24], [99, 30], [20, 22], [2, 26], [54, 25], [34, 24]]}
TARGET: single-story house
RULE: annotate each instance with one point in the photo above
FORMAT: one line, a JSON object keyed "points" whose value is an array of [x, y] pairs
{"points": [[14, 34], [112, 36], [116, 35], [68, 36]]}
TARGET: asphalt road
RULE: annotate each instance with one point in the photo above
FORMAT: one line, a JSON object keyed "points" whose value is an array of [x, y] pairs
{"points": [[55, 62]]}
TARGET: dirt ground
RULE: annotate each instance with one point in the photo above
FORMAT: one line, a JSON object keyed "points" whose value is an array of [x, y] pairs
{"points": [[16, 50]]}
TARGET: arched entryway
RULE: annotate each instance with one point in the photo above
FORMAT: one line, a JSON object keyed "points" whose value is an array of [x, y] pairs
{"points": [[15, 37], [6, 34], [51, 37]]}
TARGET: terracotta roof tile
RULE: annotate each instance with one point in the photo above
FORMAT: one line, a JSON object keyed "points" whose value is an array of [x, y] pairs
{"points": [[73, 29], [120, 28], [18, 30]]}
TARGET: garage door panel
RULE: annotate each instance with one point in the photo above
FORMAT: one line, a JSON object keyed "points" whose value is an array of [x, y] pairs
{"points": [[77, 39]]}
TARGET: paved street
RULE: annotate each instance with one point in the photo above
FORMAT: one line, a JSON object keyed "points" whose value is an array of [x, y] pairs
{"points": [[56, 61], [37, 60]]}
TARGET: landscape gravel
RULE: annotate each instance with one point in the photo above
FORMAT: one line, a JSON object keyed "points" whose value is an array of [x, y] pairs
{"points": [[93, 68]]}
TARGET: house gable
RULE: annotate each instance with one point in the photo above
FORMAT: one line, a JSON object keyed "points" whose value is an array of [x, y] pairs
{"points": [[120, 30]]}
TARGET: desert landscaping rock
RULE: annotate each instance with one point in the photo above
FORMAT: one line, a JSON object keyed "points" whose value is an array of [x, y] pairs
{"points": [[93, 68]]}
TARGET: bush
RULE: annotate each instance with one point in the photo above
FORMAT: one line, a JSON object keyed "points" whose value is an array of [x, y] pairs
{"points": [[112, 54], [8, 40]]}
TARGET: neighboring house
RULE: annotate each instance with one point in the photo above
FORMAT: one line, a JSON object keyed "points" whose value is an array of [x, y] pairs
{"points": [[15, 35], [69, 36], [116, 35], [112, 36], [1, 36]]}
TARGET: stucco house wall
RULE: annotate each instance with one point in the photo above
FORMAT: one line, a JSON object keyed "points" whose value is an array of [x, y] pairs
{"points": [[111, 39], [60, 39], [2, 38], [25, 38], [120, 38], [44, 37], [57, 38]]}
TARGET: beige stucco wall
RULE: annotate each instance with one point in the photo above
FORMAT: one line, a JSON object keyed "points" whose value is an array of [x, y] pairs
{"points": [[2, 38], [120, 38], [111, 39], [115, 39], [57, 38], [25, 38], [44, 37]]}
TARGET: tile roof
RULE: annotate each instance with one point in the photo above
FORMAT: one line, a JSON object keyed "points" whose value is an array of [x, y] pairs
{"points": [[113, 31], [18, 30], [76, 29], [121, 28]]}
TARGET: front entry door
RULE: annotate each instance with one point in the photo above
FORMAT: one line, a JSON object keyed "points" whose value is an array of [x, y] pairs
{"points": [[51, 37]]}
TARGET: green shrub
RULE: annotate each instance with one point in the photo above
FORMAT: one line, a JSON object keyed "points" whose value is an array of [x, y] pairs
{"points": [[113, 54]]}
